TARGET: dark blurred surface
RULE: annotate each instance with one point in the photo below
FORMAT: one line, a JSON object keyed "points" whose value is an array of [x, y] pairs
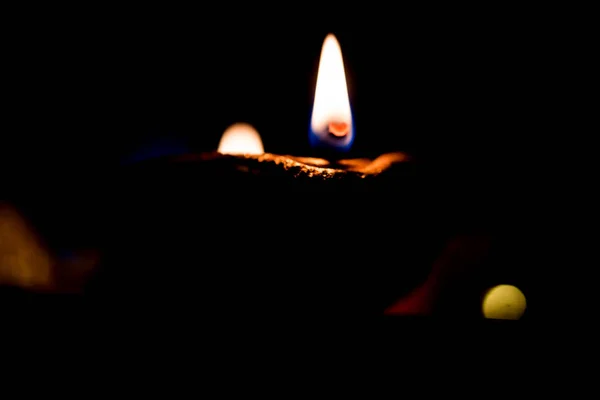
{"points": [[463, 94]]}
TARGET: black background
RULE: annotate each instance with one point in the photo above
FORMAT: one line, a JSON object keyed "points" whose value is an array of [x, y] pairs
{"points": [[465, 91], [444, 85]]}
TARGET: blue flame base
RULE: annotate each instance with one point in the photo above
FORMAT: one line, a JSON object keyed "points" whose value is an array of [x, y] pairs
{"points": [[325, 140]]}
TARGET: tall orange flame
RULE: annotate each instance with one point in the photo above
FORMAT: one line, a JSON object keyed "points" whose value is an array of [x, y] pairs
{"points": [[331, 121]]}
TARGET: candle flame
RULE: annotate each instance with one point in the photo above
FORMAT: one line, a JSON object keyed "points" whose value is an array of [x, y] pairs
{"points": [[331, 121], [241, 138]]}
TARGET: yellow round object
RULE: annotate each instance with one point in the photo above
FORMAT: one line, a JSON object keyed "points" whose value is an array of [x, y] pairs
{"points": [[504, 302]]}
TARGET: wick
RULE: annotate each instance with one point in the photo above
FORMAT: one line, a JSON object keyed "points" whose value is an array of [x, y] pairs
{"points": [[338, 129]]}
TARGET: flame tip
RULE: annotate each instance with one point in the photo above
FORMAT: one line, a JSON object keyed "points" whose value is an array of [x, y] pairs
{"points": [[331, 38]]}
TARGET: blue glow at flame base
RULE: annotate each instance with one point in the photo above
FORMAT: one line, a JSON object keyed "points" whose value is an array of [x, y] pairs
{"points": [[324, 139]]}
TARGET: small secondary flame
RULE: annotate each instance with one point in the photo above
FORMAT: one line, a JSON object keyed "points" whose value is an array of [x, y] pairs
{"points": [[331, 121], [241, 138]]}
